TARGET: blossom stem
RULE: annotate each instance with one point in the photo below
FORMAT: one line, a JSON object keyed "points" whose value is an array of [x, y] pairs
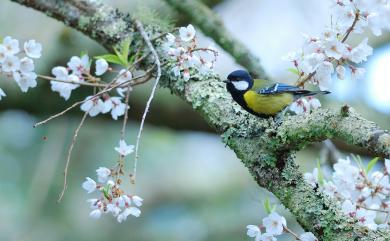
{"points": [[350, 29], [44, 77], [125, 118], [372, 209], [70, 150], [291, 232]]}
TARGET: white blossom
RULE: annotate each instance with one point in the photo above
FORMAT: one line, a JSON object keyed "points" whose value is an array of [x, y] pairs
{"points": [[92, 105], [124, 149], [118, 107], [3, 53], [89, 185], [274, 223], [79, 65], [33, 49], [186, 74], [11, 45], [171, 39], [107, 105], [300, 106], [360, 52], [103, 173], [312, 178], [267, 237], [323, 76], [112, 208], [95, 214], [310, 62], [65, 89], [314, 103], [123, 201], [26, 80], [101, 67], [26, 65], [128, 211], [357, 73], [334, 48], [387, 166], [123, 76], [11, 64], [187, 33], [137, 200], [254, 232]]}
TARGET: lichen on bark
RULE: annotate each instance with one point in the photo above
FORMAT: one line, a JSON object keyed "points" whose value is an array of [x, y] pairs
{"points": [[265, 148]]}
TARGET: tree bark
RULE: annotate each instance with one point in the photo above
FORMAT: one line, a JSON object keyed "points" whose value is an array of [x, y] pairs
{"points": [[265, 148]]}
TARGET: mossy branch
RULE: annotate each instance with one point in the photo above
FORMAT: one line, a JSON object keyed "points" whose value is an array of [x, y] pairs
{"points": [[266, 149], [212, 25]]}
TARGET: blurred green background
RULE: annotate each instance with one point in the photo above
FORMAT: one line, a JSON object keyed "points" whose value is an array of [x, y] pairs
{"points": [[194, 187]]}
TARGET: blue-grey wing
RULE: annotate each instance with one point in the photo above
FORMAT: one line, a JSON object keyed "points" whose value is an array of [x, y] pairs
{"points": [[278, 88]]}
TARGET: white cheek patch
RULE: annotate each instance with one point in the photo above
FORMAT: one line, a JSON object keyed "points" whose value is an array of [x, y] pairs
{"points": [[240, 85]]}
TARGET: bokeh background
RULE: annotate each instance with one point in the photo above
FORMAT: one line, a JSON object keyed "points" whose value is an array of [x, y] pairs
{"points": [[194, 187]]}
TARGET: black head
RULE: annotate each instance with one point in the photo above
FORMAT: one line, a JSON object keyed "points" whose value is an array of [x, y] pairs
{"points": [[239, 81]]}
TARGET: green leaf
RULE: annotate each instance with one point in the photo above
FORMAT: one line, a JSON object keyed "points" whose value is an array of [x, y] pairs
{"points": [[105, 192], [268, 207], [125, 48], [111, 58], [320, 175], [123, 53], [371, 164], [293, 70]]}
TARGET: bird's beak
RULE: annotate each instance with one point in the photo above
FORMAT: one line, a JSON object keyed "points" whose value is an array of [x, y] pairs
{"points": [[226, 81]]}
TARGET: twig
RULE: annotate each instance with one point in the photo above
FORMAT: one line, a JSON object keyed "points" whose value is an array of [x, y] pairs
{"points": [[125, 118], [76, 132], [350, 29], [92, 97], [158, 63], [71, 82], [291, 232]]}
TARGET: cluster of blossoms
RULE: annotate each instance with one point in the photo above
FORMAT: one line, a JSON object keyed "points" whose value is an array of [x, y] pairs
{"points": [[182, 50], [78, 71], [18, 64], [323, 56], [275, 225], [113, 200], [305, 105], [362, 195]]}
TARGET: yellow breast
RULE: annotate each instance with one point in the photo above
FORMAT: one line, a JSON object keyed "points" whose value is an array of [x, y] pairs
{"points": [[267, 104]]}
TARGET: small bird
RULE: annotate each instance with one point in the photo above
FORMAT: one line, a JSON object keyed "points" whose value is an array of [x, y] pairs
{"points": [[263, 98]]}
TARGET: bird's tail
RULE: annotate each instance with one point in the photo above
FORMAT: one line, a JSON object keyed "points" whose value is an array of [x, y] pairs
{"points": [[304, 93]]}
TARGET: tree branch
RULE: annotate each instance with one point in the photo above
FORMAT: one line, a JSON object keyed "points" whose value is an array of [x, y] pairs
{"points": [[211, 25], [266, 149]]}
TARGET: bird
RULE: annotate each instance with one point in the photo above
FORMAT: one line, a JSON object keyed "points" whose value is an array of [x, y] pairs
{"points": [[263, 98]]}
